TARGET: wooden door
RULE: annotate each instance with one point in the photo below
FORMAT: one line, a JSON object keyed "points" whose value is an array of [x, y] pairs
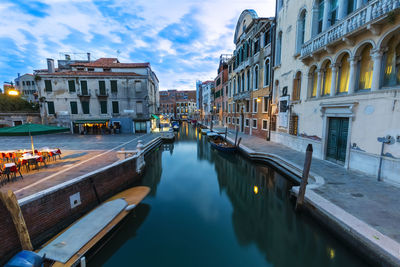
{"points": [[337, 139]]}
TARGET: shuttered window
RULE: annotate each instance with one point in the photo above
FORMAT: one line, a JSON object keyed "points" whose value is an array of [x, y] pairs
{"points": [[103, 107], [71, 86], [50, 107], [85, 107], [74, 107], [48, 86]]}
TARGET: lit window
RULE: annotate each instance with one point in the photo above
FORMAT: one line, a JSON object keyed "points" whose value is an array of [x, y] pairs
{"points": [[344, 74], [392, 64], [327, 79], [365, 66], [314, 82], [297, 86]]}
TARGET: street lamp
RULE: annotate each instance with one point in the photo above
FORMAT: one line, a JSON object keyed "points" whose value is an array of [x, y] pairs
{"points": [[12, 92]]}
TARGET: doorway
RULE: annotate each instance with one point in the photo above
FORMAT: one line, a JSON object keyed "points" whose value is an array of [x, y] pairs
{"points": [[338, 130]]}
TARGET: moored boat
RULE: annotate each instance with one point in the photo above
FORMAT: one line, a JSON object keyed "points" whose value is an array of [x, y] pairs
{"points": [[222, 145]]}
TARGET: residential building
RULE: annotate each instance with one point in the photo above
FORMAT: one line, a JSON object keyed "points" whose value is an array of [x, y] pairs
{"points": [[178, 104], [220, 83], [26, 85], [206, 99], [336, 82], [250, 75], [92, 95]]}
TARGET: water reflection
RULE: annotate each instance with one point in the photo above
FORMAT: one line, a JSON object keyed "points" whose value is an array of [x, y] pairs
{"points": [[216, 209]]}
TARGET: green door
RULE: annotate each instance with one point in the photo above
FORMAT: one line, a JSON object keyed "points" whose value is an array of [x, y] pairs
{"points": [[337, 139]]}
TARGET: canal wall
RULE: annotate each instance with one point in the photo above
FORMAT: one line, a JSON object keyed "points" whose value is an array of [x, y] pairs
{"points": [[48, 212]]}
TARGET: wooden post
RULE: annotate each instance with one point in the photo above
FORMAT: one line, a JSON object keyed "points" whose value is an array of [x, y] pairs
{"points": [[226, 132], [211, 127], [11, 203], [236, 136], [240, 139], [304, 179]]}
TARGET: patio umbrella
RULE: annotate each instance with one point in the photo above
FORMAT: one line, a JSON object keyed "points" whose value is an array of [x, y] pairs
{"points": [[31, 129]]}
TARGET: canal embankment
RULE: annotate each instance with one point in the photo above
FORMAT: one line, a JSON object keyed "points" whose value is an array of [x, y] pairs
{"points": [[49, 211], [360, 210]]}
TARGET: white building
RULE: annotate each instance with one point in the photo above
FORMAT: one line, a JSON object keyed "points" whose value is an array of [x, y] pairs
{"points": [[207, 99], [26, 85], [337, 82], [81, 94]]}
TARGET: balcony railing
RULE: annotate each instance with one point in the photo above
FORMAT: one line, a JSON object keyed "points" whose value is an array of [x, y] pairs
{"points": [[360, 18], [83, 93], [102, 93], [241, 95]]}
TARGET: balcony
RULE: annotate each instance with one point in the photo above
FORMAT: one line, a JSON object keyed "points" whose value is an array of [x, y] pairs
{"points": [[83, 93], [241, 96], [102, 93], [367, 17]]}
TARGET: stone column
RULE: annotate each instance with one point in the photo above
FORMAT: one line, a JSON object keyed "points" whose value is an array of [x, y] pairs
{"points": [[334, 79], [342, 10], [376, 75], [352, 77], [319, 83], [325, 22]]}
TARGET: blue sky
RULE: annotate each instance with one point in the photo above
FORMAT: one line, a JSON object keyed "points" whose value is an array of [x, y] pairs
{"points": [[182, 39]]}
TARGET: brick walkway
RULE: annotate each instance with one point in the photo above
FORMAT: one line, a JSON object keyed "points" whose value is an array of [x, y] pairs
{"points": [[375, 203]]}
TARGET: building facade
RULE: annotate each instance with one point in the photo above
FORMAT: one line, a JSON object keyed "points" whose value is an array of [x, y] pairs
{"points": [[178, 104], [220, 86], [337, 82], [250, 75], [206, 92], [98, 94], [26, 85]]}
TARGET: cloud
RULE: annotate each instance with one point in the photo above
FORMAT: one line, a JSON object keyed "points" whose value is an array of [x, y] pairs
{"points": [[182, 39]]}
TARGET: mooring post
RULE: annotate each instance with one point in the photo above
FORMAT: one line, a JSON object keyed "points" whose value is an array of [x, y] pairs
{"points": [[226, 132], [211, 127], [236, 136], [240, 139], [304, 178]]}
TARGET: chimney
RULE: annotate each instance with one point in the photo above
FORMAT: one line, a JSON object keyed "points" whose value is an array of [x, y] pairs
{"points": [[50, 65], [67, 57], [88, 57]]}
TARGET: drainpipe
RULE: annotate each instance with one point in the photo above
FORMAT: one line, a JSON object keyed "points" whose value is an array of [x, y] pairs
{"points": [[384, 140], [273, 32]]}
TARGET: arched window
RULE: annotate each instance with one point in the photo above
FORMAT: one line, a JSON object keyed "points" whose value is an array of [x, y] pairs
{"points": [[234, 86], [278, 48], [255, 77], [344, 75], [327, 79], [301, 29], [333, 14], [318, 17], [267, 72], [242, 86], [248, 80], [238, 84], [313, 82], [392, 63], [365, 69], [297, 86]]}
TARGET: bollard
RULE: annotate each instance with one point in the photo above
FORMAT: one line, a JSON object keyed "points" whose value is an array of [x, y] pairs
{"points": [[139, 146], [304, 178]]}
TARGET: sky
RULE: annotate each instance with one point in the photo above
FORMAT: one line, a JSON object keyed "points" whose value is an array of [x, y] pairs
{"points": [[182, 39]]}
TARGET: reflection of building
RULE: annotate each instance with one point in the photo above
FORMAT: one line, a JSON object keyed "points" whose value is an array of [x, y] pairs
{"points": [[336, 75], [250, 75], [98, 92], [205, 97], [220, 95], [26, 85], [178, 104]]}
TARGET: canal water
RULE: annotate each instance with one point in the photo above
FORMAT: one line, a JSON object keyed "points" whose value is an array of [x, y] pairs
{"points": [[210, 209]]}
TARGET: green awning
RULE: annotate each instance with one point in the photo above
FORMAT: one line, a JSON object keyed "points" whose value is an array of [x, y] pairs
{"points": [[155, 116], [31, 129], [91, 121]]}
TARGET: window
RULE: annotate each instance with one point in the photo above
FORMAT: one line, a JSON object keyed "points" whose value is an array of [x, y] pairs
{"points": [[237, 121], [17, 83], [85, 107], [320, 16], [255, 105], [242, 81], [314, 82], [267, 37], [265, 125], [293, 126], [301, 29], [266, 103], [103, 107], [297, 86], [257, 46], [84, 89], [23, 83], [90, 69], [247, 122], [114, 87], [351, 6], [391, 61], [247, 106], [102, 87], [365, 69], [74, 107], [229, 120], [254, 123], [239, 84], [33, 83], [333, 12], [138, 86], [71, 86], [256, 78], [139, 107], [267, 73], [50, 107], [327, 79], [278, 49], [115, 107], [28, 83], [344, 75], [218, 81], [47, 86]]}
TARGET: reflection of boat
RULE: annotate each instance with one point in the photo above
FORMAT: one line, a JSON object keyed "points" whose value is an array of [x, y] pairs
{"points": [[72, 244], [175, 125], [221, 145]]}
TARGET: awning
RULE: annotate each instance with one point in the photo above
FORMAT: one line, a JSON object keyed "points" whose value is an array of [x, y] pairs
{"points": [[31, 129], [91, 121], [155, 116]]}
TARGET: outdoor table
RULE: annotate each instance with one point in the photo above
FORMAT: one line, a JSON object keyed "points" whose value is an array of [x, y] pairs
{"points": [[9, 168], [29, 160]]}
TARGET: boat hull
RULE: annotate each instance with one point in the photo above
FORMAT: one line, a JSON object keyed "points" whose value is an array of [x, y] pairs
{"points": [[223, 148]]}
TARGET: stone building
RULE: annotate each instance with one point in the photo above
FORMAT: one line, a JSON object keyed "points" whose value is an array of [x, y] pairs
{"points": [[178, 104], [337, 82], [26, 85], [93, 95], [220, 100], [250, 75], [207, 90]]}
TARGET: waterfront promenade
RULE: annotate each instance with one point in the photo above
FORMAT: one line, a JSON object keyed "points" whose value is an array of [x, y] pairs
{"points": [[351, 198], [81, 154]]}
